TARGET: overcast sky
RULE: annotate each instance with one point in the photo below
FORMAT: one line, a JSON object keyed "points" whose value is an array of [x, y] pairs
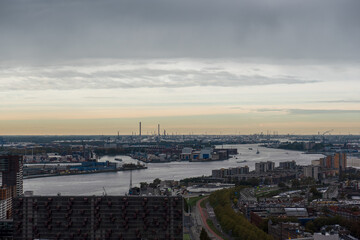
{"points": [[96, 67]]}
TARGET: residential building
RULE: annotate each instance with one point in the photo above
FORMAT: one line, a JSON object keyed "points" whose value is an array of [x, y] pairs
{"points": [[334, 163], [94, 217], [286, 230], [311, 171], [331, 192], [11, 168], [262, 167], [288, 165]]}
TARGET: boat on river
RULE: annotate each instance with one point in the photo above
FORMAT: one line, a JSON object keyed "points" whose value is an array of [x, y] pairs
{"points": [[243, 161]]}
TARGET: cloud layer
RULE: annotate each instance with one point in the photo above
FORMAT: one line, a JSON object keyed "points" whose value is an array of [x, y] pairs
{"points": [[233, 60], [40, 30], [136, 76]]}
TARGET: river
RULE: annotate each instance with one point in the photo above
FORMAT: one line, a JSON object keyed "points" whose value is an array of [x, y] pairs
{"points": [[117, 183]]}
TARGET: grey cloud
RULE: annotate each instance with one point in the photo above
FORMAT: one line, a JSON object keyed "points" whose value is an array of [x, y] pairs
{"points": [[338, 101], [136, 78], [310, 111], [47, 30], [271, 110], [322, 111]]}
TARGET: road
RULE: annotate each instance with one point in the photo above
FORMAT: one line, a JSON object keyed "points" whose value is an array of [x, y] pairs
{"points": [[204, 217]]}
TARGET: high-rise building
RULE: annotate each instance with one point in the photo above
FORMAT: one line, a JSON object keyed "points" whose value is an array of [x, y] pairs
{"points": [[311, 171], [11, 168], [288, 165], [336, 161], [261, 167], [94, 217]]}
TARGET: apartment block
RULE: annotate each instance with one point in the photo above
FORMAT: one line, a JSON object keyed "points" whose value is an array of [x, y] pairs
{"points": [[262, 167], [11, 168], [94, 217]]}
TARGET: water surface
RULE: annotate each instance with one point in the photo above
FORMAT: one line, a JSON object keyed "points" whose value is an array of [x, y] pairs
{"points": [[117, 183]]}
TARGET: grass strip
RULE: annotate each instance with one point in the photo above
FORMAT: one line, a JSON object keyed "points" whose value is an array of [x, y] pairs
{"points": [[212, 226], [186, 237], [192, 201]]}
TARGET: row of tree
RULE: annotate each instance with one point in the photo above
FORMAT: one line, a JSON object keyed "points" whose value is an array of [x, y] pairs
{"points": [[234, 223], [300, 146], [352, 226], [204, 235]]}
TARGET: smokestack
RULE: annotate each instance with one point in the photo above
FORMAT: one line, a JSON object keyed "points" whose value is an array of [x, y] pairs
{"points": [[140, 129]]}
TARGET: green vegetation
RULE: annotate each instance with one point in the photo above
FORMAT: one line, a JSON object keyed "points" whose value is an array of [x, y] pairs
{"points": [[212, 226], [269, 193], [186, 237], [295, 183], [192, 201], [186, 206], [202, 179], [203, 203], [351, 174], [315, 192], [204, 235], [303, 182], [251, 182], [300, 146], [315, 226], [234, 223]]}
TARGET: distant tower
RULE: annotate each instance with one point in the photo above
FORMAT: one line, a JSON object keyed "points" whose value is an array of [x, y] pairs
{"points": [[158, 129], [140, 129]]}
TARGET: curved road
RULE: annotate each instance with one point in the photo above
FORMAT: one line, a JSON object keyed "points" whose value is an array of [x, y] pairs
{"points": [[204, 217]]}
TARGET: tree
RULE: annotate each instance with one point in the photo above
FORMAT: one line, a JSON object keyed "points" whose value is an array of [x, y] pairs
{"points": [[316, 194], [144, 185], [232, 222], [204, 235], [156, 181], [186, 205], [254, 182], [295, 183]]}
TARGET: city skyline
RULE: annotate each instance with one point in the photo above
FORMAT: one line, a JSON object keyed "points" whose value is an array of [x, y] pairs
{"points": [[204, 67]]}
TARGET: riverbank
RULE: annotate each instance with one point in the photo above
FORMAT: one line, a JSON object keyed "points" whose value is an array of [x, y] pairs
{"points": [[82, 173], [117, 184], [52, 163]]}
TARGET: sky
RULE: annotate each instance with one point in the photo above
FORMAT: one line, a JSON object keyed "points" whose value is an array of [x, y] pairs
{"points": [[201, 67]]}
